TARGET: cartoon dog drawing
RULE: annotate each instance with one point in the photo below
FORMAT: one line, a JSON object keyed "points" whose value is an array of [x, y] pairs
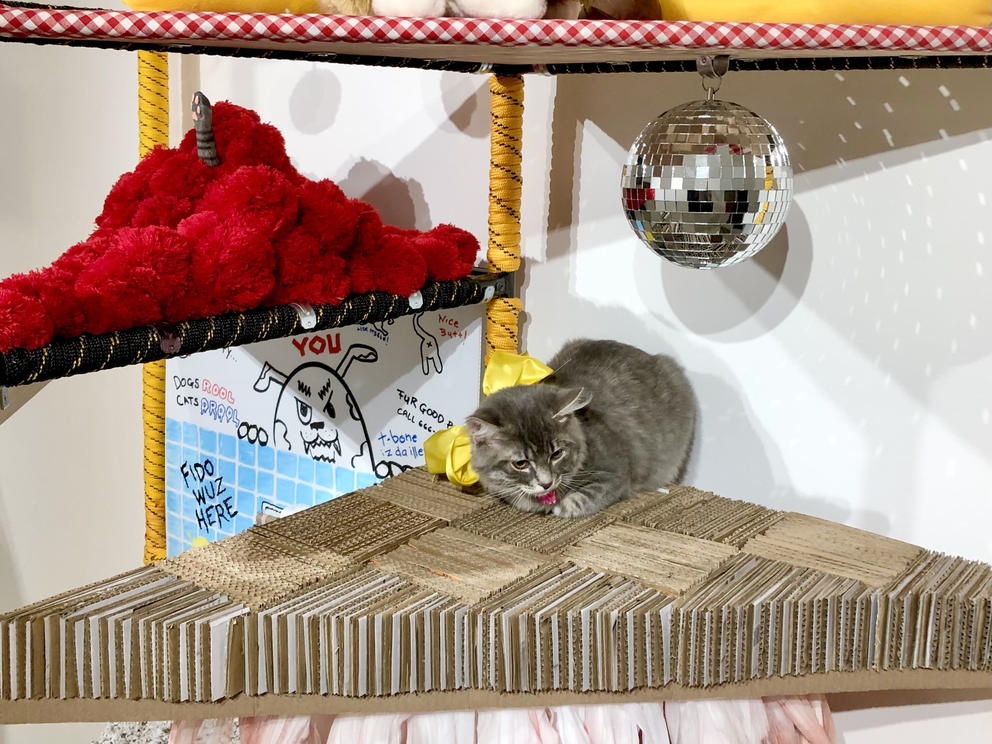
{"points": [[316, 412]]}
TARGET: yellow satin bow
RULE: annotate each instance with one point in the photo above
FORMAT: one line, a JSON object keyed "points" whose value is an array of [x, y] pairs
{"points": [[506, 369], [449, 451]]}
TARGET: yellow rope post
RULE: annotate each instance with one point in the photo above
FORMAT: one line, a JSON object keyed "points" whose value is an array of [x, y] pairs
{"points": [[506, 95], [153, 130]]}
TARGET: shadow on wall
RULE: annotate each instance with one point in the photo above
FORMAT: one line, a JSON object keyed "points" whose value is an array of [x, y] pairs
{"points": [[315, 99], [465, 100], [313, 107], [752, 301], [399, 201]]}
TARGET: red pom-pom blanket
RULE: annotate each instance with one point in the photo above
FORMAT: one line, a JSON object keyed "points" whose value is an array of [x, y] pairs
{"points": [[178, 239]]}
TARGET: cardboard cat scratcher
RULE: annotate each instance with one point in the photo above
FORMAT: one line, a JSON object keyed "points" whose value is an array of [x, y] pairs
{"points": [[414, 594]]}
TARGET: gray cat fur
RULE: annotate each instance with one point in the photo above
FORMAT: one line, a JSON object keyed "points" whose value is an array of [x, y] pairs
{"points": [[623, 421]]}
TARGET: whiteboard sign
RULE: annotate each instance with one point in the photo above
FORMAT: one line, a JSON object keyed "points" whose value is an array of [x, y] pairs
{"points": [[293, 422]]}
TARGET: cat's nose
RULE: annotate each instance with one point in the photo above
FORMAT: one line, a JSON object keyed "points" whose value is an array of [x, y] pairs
{"points": [[546, 485], [318, 425]]}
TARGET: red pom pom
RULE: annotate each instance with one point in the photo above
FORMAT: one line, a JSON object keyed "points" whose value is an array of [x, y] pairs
{"points": [[165, 211], [450, 252], [198, 300], [394, 266], [245, 264], [232, 267], [466, 243], [24, 322], [126, 195], [328, 215], [257, 196], [440, 256], [183, 176], [365, 242], [198, 226], [403, 232], [305, 272], [231, 123], [260, 145], [58, 293], [142, 270]]}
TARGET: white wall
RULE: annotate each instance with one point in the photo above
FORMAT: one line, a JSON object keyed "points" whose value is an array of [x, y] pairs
{"points": [[842, 373]]}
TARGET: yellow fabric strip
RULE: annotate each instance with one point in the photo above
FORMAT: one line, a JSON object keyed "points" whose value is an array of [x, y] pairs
{"points": [[449, 451], [506, 369], [907, 12], [153, 130], [502, 315]]}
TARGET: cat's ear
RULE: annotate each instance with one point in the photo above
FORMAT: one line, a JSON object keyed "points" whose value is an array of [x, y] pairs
{"points": [[478, 429], [572, 400]]}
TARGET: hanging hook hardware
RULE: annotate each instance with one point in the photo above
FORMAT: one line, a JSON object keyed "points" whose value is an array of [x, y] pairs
{"points": [[712, 68]]}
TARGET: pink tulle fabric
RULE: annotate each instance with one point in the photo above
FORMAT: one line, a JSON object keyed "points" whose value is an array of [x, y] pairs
{"points": [[778, 720]]}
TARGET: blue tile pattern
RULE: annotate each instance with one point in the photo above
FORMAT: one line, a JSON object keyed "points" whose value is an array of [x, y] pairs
{"points": [[233, 479]]}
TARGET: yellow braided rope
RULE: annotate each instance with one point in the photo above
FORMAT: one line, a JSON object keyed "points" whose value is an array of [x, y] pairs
{"points": [[153, 129], [506, 95], [502, 316]]}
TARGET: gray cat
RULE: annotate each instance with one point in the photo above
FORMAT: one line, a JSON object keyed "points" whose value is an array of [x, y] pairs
{"points": [[611, 421]]}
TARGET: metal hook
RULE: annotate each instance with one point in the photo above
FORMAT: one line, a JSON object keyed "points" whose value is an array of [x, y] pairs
{"points": [[712, 69], [306, 314]]}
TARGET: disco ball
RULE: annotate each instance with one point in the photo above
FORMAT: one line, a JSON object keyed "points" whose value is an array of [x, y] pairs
{"points": [[707, 184]]}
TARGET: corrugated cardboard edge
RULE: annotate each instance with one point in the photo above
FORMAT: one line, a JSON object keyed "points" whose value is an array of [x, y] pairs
{"points": [[975, 685]]}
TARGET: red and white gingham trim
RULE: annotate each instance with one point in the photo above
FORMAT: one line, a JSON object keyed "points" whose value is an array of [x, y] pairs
{"points": [[38, 23]]}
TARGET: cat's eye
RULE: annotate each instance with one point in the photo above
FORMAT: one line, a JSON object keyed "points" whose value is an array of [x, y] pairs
{"points": [[304, 411], [520, 464], [557, 455]]}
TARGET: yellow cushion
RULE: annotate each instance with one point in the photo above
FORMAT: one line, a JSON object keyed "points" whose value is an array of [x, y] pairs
{"points": [[901, 12]]}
